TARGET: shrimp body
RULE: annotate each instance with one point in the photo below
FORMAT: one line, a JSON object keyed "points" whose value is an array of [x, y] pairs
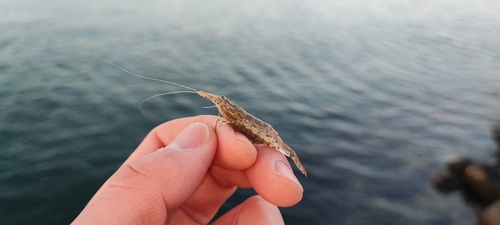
{"points": [[256, 130]]}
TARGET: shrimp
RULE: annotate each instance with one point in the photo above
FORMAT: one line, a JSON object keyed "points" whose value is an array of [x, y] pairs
{"points": [[256, 130]]}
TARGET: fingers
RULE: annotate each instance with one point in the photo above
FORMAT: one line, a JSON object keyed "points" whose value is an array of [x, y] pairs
{"points": [[272, 178], [165, 133], [147, 187], [235, 162], [254, 210], [206, 201], [234, 151], [270, 175]]}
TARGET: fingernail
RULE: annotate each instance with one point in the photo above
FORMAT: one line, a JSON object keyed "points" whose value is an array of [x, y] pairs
{"points": [[191, 137], [282, 169]]}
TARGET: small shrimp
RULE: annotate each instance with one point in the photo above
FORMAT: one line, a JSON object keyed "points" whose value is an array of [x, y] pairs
{"points": [[256, 130]]}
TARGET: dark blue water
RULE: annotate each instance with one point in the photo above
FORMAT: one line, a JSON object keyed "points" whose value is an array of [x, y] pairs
{"points": [[373, 95]]}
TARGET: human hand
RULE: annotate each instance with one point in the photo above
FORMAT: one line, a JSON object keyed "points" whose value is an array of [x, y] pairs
{"points": [[187, 181]]}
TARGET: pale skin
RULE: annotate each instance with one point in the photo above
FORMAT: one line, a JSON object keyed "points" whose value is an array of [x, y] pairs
{"points": [[188, 181]]}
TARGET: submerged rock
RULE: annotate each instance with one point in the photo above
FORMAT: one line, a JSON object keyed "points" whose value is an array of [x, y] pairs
{"points": [[478, 182]]}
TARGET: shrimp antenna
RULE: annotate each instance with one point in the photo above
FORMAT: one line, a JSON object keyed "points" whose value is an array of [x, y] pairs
{"points": [[148, 78], [161, 94]]}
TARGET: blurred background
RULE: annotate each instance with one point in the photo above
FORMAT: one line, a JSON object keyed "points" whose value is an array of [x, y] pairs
{"points": [[374, 96]]}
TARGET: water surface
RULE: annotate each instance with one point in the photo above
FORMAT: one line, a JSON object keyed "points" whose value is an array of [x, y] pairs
{"points": [[373, 96]]}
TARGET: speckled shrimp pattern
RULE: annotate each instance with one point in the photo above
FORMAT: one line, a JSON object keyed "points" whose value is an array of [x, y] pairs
{"points": [[256, 130]]}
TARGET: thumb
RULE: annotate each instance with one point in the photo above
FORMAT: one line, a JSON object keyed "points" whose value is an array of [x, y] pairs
{"points": [[143, 190]]}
